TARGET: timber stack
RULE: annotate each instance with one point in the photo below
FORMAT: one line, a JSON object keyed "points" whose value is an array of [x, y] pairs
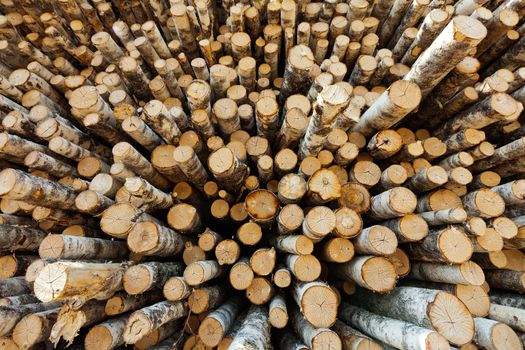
{"points": [[289, 174]]}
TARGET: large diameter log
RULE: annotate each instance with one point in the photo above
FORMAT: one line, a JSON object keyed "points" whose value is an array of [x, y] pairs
{"points": [[317, 302], [71, 247], [401, 335], [401, 98], [14, 238], [68, 279], [446, 51], [215, 326], [16, 184], [34, 328], [11, 315], [254, 331], [371, 272], [423, 307], [147, 276], [147, 319]]}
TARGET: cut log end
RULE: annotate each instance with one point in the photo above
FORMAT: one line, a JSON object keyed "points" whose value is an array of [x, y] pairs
{"points": [[379, 274], [450, 318]]}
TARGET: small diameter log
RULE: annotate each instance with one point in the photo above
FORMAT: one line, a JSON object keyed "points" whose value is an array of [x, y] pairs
{"points": [[493, 335], [229, 172], [206, 298], [263, 260], [260, 291], [34, 328], [484, 203], [16, 184], [403, 335], [121, 302], [384, 144], [106, 335], [323, 187], [278, 313], [201, 271], [216, 324], [227, 252], [151, 238], [11, 315], [371, 272], [513, 192], [425, 308], [249, 233], [40, 161], [375, 240], [92, 202], [147, 276], [511, 316], [318, 223], [401, 98], [262, 206], [408, 228], [67, 279], [291, 189], [445, 52], [293, 244], [427, 179], [445, 216], [395, 202], [314, 338], [305, 268], [120, 218], [12, 265], [506, 279], [176, 289], [468, 273], [18, 300], [241, 274], [185, 219], [146, 320], [14, 286], [449, 245], [72, 247], [254, 331], [13, 238]]}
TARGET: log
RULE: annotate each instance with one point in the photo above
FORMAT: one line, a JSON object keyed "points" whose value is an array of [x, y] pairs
{"points": [[422, 307], [14, 238], [66, 279], [34, 328], [121, 302], [78, 248], [147, 319], [120, 218], [11, 315], [216, 324], [314, 338], [363, 270], [201, 271], [241, 274], [491, 334], [206, 298], [152, 239], [107, 335], [144, 277], [254, 331]]}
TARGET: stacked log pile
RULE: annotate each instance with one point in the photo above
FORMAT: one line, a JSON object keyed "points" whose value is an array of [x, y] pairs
{"points": [[262, 174]]}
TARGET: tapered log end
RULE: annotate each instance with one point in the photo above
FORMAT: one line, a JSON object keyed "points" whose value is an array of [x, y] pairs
{"points": [[451, 318]]}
